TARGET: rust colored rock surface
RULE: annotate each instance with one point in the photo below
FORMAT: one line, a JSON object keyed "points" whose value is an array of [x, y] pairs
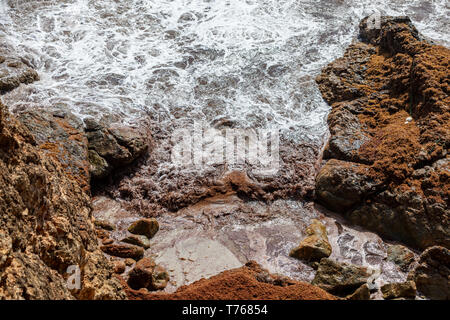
{"points": [[389, 166], [240, 284], [45, 225]]}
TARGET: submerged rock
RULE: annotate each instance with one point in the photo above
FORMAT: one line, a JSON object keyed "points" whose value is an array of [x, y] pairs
{"points": [[315, 246], [432, 275], [340, 278], [399, 290], [384, 173]]}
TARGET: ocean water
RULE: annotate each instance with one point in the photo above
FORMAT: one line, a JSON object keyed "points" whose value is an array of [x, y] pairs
{"points": [[251, 62]]}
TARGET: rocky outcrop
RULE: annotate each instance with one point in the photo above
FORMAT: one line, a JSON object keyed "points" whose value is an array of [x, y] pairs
{"points": [[388, 164], [14, 72], [61, 136], [246, 283], [340, 278], [45, 224], [432, 275], [315, 246]]}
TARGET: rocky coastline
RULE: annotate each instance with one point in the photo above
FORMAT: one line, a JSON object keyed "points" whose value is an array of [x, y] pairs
{"points": [[385, 169]]}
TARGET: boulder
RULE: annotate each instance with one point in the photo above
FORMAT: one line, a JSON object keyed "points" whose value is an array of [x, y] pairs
{"points": [[315, 246], [14, 72], [432, 275], [146, 227], [340, 279], [104, 225], [399, 290], [141, 276], [123, 251], [112, 147], [141, 241]]}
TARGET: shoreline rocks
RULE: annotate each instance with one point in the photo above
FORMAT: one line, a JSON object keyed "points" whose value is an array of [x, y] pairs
{"points": [[14, 72], [340, 278], [45, 225], [432, 275], [387, 163], [315, 246]]}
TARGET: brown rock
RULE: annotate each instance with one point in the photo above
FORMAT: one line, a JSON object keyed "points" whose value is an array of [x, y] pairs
{"points": [[239, 284], [340, 278], [129, 262], [432, 275], [123, 251], [119, 266], [399, 290], [160, 278], [14, 72], [388, 174], [141, 276], [104, 225], [141, 241], [146, 227], [362, 293], [315, 246], [401, 256], [45, 224]]}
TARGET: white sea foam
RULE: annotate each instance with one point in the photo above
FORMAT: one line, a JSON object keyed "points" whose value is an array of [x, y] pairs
{"points": [[252, 62]]}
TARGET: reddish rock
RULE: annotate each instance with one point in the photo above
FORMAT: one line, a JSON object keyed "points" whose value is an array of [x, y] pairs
{"points": [[389, 167], [239, 284]]}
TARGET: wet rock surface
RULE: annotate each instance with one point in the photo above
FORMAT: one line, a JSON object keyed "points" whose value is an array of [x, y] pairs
{"points": [[45, 225], [388, 167], [14, 72]]}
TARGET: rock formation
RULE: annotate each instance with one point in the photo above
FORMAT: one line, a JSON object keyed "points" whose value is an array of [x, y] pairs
{"points": [[45, 224], [388, 162]]}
